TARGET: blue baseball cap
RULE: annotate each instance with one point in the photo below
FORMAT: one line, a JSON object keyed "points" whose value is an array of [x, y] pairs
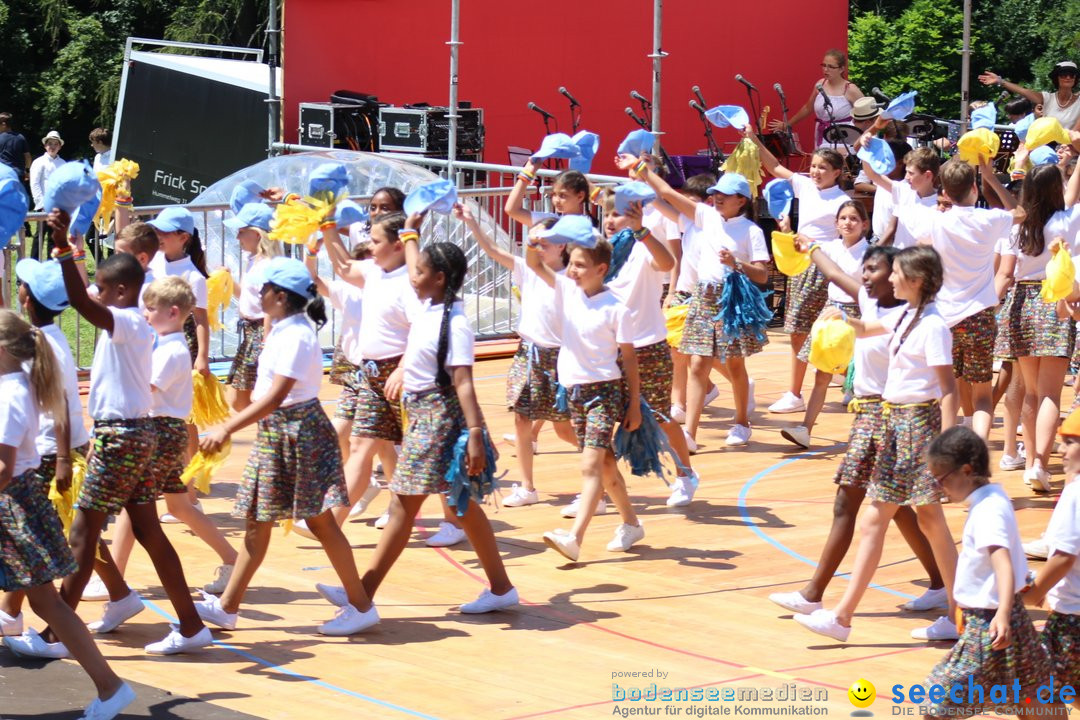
{"points": [[878, 155], [778, 194], [984, 117], [288, 273], [84, 215], [69, 186], [1043, 155], [723, 116], [174, 218], [557, 145], [246, 192], [902, 105], [349, 213], [46, 282], [328, 177], [252, 214], [637, 142], [632, 192], [13, 207], [438, 195], [587, 144], [576, 229], [731, 184]]}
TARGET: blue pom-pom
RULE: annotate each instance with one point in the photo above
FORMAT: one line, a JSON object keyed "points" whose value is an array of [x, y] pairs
{"points": [[562, 400], [742, 308], [642, 448], [465, 487]]}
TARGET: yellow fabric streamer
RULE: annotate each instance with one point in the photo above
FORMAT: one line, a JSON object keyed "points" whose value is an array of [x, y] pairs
{"points": [[832, 345], [208, 406], [64, 501], [744, 160], [219, 292], [788, 259], [1060, 276], [675, 317], [296, 219], [977, 146], [113, 176], [202, 467]]}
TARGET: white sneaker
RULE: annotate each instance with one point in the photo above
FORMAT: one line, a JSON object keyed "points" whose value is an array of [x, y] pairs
{"points": [[448, 534], [383, 520], [108, 709], [711, 395], [751, 403], [1037, 549], [570, 511], [95, 590], [682, 491], [929, 600], [512, 439], [370, 494], [11, 625], [625, 537], [490, 602], [823, 622], [300, 528], [795, 602], [563, 542], [738, 436], [175, 643], [678, 414], [30, 645], [798, 435], [1038, 479], [520, 497], [1012, 462], [221, 580], [170, 519], [210, 610], [691, 443], [333, 594], [788, 403], [117, 613], [349, 621], [941, 629]]}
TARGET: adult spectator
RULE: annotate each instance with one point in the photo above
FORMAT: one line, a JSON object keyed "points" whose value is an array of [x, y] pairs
{"points": [[1061, 104], [14, 151], [841, 93], [40, 170], [101, 141]]}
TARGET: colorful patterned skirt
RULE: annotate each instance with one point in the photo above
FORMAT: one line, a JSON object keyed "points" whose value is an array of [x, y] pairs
{"points": [[971, 662], [191, 337], [435, 423], [1033, 328], [167, 463], [973, 341], [533, 382], [704, 336], [1001, 339], [350, 385], [33, 549], [375, 416], [595, 409], [340, 367], [851, 309], [806, 296], [864, 443], [294, 470], [655, 369], [900, 474], [46, 471], [1061, 638], [116, 474], [245, 364]]}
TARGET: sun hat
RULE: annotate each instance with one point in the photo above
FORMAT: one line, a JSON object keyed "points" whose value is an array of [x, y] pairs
{"points": [[53, 135], [865, 109]]}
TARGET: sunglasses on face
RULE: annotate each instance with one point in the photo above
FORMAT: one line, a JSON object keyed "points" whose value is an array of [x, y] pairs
{"points": [[826, 66]]}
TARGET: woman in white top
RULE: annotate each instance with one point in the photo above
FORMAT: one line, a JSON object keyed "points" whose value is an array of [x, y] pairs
{"points": [[842, 96], [1061, 104]]}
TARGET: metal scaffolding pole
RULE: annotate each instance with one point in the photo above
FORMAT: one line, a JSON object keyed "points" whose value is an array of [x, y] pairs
{"points": [[455, 44], [657, 56], [273, 38]]}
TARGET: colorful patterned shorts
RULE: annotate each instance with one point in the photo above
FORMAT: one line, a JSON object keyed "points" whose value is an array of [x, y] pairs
{"points": [[973, 346], [33, 549], [435, 423], [1061, 638], [655, 369], [532, 383], [806, 296], [294, 470], [167, 463], [191, 337], [375, 416], [971, 661], [245, 364], [340, 367], [117, 475], [1033, 327], [346, 404], [864, 443], [1001, 339], [900, 474], [704, 336], [46, 471], [681, 297], [595, 409], [851, 309]]}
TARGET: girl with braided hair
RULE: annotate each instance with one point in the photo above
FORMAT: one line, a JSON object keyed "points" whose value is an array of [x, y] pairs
{"points": [[441, 404]]}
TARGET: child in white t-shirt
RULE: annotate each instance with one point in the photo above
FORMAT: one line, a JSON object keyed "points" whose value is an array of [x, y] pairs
{"points": [[919, 187]]}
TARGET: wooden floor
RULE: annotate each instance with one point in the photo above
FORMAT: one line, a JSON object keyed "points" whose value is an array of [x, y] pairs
{"points": [[688, 604]]}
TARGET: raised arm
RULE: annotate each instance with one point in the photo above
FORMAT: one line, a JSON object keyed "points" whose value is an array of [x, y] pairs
{"points": [[992, 78], [95, 313], [772, 165], [1008, 200], [410, 238], [515, 201], [483, 241], [344, 266], [662, 259], [639, 168], [311, 262], [536, 263], [828, 268]]}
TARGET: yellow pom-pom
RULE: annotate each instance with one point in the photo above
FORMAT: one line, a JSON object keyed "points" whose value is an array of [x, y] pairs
{"points": [[116, 174], [208, 406], [746, 161], [296, 220], [64, 500], [675, 319], [1060, 276], [203, 466], [219, 292]]}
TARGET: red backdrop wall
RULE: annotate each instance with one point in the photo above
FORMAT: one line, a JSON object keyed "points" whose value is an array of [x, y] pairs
{"points": [[515, 52]]}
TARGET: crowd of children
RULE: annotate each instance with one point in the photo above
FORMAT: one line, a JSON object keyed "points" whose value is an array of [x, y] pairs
{"points": [[933, 295]]}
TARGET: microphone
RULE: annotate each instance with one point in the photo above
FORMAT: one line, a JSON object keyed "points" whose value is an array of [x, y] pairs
{"points": [[745, 82], [1003, 96], [536, 108], [779, 90], [639, 97], [824, 96], [634, 116], [697, 106], [880, 96], [697, 91], [566, 93]]}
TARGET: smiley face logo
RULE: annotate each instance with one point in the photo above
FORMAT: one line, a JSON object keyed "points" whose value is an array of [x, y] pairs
{"points": [[862, 693]]}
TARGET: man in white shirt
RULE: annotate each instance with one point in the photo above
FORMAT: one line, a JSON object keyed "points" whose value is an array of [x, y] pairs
{"points": [[40, 170]]}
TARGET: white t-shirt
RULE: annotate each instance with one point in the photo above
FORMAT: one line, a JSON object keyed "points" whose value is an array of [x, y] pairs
{"points": [[185, 269], [120, 374], [46, 438], [903, 195], [348, 300], [850, 261], [40, 170], [591, 337], [991, 522], [739, 235], [883, 212], [691, 238], [640, 288], [19, 421], [290, 349], [1063, 533], [250, 301], [170, 377], [422, 352], [1068, 116], [912, 377], [540, 321], [817, 208], [384, 328], [102, 160], [1063, 224], [872, 353], [965, 238]]}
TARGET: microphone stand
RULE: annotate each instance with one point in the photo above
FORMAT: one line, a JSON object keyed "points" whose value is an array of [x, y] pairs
{"points": [[755, 108], [716, 157]]}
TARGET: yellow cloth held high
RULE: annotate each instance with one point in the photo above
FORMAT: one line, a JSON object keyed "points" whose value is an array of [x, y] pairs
{"points": [[296, 219], [113, 176], [977, 146], [746, 161], [789, 260]]}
